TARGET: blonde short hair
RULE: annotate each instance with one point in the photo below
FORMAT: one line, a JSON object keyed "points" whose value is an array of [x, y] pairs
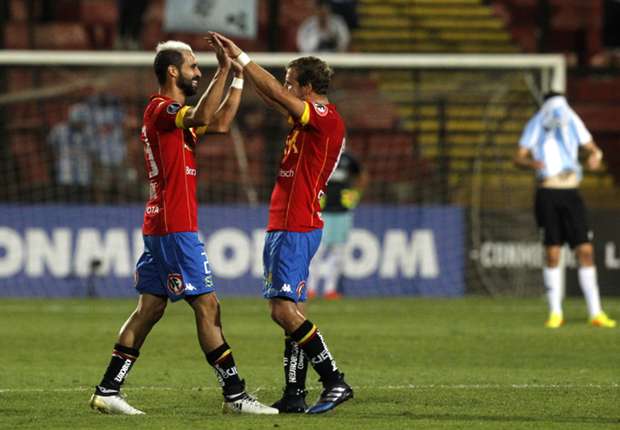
{"points": [[173, 45]]}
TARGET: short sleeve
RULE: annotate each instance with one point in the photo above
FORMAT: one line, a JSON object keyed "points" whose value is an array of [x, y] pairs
{"points": [[577, 126], [168, 115], [531, 133], [315, 115]]}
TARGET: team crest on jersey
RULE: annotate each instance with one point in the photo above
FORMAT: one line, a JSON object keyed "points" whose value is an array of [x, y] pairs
{"points": [[320, 109], [300, 288], [175, 284], [173, 108]]}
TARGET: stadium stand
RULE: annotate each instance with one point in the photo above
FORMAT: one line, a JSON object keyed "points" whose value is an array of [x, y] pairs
{"points": [[445, 131], [426, 26], [436, 26]]}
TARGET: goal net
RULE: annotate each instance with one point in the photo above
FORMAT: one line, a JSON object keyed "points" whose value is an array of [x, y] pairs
{"points": [[445, 211]]}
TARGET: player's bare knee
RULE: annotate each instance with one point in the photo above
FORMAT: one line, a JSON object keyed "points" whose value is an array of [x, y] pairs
{"points": [[278, 311], [283, 313], [552, 256], [151, 313], [552, 262], [585, 255], [205, 305], [276, 315]]}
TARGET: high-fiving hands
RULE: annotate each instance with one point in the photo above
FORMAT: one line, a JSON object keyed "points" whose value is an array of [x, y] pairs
{"points": [[232, 50], [223, 59]]}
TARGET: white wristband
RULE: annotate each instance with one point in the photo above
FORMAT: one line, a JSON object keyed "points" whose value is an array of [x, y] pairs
{"points": [[237, 83], [243, 59]]}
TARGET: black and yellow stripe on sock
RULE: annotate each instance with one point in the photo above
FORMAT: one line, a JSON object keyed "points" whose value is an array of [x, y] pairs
{"points": [[309, 338], [223, 362]]}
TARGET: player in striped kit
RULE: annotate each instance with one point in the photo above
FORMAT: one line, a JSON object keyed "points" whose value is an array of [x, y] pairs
{"points": [[310, 155], [174, 264], [550, 145]]}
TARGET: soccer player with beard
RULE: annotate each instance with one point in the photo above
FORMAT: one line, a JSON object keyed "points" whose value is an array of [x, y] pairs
{"points": [[174, 265], [311, 153]]}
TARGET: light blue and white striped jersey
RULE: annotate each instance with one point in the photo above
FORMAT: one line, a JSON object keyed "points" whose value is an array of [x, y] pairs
{"points": [[553, 136]]}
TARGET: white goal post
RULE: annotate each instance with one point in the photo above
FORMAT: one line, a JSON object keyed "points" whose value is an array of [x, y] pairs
{"points": [[436, 132], [552, 65]]}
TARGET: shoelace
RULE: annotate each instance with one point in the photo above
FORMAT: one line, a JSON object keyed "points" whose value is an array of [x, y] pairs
{"points": [[250, 398]]}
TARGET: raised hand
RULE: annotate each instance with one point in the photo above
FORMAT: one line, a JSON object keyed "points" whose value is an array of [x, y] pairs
{"points": [[228, 45], [223, 59]]}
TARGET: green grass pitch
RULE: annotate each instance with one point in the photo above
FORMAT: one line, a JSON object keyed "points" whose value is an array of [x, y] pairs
{"points": [[473, 363]]}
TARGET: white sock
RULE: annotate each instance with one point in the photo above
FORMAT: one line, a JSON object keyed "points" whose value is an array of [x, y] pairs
{"points": [[552, 277], [589, 286], [334, 268]]}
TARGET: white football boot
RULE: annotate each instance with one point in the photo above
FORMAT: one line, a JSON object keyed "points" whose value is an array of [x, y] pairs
{"points": [[247, 404], [113, 405]]}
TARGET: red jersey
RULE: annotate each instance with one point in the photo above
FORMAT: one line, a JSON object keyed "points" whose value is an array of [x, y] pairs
{"points": [[170, 168], [311, 153]]}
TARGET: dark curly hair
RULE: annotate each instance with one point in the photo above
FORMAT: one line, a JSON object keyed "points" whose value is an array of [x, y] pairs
{"points": [[312, 70]]}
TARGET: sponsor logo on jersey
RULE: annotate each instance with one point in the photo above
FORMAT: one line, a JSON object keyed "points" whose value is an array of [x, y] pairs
{"points": [[175, 284], [287, 288], [320, 109], [189, 171], [286, 173], [173, 108], [290, 143], [152, 210]]}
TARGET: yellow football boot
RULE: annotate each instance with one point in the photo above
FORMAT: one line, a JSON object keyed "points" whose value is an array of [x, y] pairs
{"points": [[602, 320], [555, 320]]}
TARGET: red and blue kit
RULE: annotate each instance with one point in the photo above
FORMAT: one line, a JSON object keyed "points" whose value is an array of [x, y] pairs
{"points": [[174, 262], [311, 153], [171, 168], [313, 148]]}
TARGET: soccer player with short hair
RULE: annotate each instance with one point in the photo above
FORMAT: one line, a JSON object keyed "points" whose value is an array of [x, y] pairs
{"points": [[550, 145], [310, 155], [174, 265]]}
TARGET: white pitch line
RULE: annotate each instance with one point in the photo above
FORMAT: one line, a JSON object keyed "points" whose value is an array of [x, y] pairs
{"points": [[374, 387]]}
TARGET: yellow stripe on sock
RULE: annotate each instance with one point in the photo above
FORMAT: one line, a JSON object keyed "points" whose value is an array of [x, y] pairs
{"points": [[308, 336], [224, 355]]}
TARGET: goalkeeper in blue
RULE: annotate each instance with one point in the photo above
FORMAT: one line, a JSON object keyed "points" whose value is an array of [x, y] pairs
{"points": [[550, 146], [344, 190]]}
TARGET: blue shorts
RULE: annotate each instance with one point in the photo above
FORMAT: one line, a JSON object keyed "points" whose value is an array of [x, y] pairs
{"points": [[286, 259], [174, 265]]}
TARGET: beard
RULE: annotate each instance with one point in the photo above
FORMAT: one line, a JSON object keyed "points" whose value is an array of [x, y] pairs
{"points": [[187, 85]]}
